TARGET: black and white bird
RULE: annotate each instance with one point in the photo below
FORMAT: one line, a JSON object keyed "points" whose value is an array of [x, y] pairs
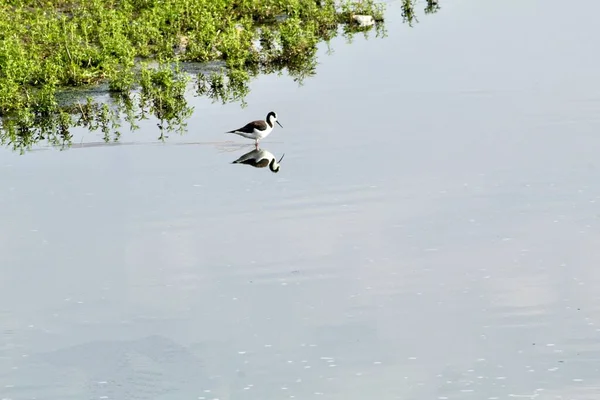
{"points": [[258, 129], [259, 158]]}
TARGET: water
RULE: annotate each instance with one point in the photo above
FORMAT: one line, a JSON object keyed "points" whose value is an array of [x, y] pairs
{"points": [[431, 234]]}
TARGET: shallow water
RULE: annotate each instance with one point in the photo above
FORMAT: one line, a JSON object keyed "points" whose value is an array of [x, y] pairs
{"points": [[431, 233]]}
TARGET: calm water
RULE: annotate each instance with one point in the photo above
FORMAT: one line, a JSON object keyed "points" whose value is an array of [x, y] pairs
{"points": [[432, 233]]}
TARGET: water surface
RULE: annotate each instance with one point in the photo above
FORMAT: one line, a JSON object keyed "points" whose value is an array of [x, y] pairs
{"points": [[431, 234]]}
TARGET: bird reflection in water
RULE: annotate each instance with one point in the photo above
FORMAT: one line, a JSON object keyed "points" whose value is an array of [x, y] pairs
{"points": [[260, 158]]}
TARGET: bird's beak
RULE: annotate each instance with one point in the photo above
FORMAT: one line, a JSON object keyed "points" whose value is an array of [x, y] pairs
{"points": [[281, 157], [279, 124]]}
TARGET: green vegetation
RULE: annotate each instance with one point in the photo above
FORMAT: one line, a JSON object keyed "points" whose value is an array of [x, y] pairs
{"points": [[54, 51]]}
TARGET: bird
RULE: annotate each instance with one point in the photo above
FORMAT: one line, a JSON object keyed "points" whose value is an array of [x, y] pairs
{"points": [[260, 158], [258, 129]]}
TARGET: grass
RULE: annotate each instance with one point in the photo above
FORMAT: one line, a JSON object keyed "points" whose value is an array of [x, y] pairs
{"points": [[138, 49]]}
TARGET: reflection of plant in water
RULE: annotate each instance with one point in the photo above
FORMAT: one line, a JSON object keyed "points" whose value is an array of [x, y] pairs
{"points": [[408, 10], [433, 6], [162, 95], [95, 115], [228, 86], [70, 43]]}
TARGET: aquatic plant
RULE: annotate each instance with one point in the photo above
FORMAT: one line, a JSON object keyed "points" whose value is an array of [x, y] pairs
{"points": [[54, 53]]}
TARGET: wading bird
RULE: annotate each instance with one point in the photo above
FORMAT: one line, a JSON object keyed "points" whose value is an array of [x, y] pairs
{"points": [[258, 129]]}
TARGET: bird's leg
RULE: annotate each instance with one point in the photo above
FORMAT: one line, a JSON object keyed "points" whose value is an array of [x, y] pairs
{"points": [[256, 144]]}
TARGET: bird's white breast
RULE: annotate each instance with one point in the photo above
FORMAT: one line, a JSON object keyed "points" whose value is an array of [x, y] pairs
{"points": [[262, 134]]}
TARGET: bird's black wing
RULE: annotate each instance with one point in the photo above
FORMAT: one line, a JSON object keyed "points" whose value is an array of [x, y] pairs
{"points": [[251, 126]]}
